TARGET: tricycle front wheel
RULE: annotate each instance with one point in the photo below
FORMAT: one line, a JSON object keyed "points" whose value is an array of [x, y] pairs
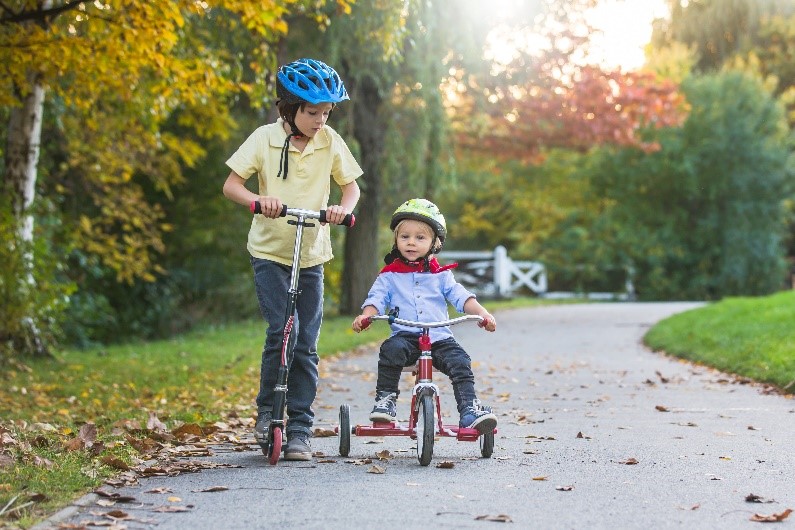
{"points": [[425, 429]]}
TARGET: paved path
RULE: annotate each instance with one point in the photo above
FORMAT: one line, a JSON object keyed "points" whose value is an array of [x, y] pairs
{"points": [[595, 432]]}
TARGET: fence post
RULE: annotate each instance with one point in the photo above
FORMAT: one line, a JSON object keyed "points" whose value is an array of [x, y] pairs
{"points": [[502, 271]]}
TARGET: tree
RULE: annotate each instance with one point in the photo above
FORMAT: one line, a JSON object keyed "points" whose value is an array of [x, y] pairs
{"points": [[705, 213], [118, 71]]}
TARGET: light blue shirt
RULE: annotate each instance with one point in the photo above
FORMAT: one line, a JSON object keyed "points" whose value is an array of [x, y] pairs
{"points": [[421, 296]]}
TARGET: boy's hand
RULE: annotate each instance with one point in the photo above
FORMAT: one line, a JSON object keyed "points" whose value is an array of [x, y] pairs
{"points": [[488, 322], [271, 206], [360, 323], [336, 214]]}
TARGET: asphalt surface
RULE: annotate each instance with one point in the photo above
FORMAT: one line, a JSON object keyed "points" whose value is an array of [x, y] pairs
{"points": [[595, 431]]}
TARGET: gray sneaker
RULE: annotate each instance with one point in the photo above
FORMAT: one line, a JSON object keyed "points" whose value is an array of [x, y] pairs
{"points": [[385, 409], [264, 417], [297, 448]]}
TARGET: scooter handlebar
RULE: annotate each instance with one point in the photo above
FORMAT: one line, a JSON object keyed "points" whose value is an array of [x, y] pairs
{"points": [[349, 220]]}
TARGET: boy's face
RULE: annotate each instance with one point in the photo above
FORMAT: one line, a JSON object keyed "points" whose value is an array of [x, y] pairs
{"points": [[311, 118], [413, 239]]}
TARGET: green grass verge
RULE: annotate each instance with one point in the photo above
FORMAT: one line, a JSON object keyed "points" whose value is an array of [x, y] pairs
{"points": [[751, 337]]}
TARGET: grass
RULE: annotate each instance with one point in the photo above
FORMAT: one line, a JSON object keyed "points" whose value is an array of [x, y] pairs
{"points": [[202, 376], [751, 337]]}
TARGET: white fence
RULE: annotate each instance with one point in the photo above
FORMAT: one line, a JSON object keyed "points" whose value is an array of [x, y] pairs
{"points": [[493, 273]]}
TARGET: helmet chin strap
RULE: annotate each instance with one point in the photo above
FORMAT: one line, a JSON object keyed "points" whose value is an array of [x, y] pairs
{"points": [[284, 160]]}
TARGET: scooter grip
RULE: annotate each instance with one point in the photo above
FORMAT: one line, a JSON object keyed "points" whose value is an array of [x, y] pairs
{"points": [[349, 220], [256, 207]]}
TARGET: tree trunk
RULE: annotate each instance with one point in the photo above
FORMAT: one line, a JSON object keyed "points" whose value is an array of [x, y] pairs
{"points": [[19, 182], [362, 255]]}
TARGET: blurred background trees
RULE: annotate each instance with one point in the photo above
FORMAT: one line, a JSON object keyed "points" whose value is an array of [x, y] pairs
{"points": [[680, 170]]}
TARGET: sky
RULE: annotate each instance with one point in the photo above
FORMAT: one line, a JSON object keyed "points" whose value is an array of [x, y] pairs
{"points": [[627, 29]]}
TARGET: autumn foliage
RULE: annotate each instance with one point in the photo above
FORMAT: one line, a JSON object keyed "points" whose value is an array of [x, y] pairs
{"points": [[585, 108]]}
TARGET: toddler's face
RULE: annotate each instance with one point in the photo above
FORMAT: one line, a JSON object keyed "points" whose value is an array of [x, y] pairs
{"points": [[414, 239], [312, 118]]}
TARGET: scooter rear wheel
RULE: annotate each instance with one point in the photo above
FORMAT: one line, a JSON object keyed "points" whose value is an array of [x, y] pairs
{"points": [[275, 446]]}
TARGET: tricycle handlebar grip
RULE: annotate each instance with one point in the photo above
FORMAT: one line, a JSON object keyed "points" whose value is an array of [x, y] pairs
{"points": [[255, 207], [366, 323]]}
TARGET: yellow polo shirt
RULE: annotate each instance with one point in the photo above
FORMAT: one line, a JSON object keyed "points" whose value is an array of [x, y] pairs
{"points": [[307, 186]]}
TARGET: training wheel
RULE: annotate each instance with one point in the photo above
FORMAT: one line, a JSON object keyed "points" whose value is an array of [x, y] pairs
{"points": [[345, 430]]}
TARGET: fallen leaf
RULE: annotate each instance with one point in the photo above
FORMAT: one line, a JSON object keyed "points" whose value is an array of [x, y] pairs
{"points": [[171, 509], [543, 477], [445, 465], [502, 518], [756, 498], [324, 433], [160, 490], [629, 462], [377, 470], [114, 462], [662, 408], [564, 488], [211, 489], [772, 518], [115, 496], [384, 455]]}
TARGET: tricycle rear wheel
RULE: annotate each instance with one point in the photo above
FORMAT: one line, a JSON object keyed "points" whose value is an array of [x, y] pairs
{"points": [[345, 430], [487, 444]]}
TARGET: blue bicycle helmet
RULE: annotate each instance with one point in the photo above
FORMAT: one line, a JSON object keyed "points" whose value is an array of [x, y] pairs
{"points": [[309, 80]]}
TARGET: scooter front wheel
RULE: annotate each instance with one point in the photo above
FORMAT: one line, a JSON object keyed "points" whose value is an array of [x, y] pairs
{"points": [[275, 446]]}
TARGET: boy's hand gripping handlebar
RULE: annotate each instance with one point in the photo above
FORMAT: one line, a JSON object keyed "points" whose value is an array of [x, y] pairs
{"points": [[349, 220]]}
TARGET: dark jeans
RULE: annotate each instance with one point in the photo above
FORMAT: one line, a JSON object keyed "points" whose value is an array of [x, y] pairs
{"points": [[272, 281], [402, 349]]}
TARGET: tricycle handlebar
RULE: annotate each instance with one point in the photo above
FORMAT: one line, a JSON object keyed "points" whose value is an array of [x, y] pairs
{"points": [[424, 325]]}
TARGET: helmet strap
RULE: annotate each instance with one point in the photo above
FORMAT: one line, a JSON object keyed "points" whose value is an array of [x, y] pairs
{"points": [[285, 157]]}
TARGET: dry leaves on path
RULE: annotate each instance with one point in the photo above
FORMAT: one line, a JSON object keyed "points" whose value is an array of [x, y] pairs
{"points": [[772, 518]]}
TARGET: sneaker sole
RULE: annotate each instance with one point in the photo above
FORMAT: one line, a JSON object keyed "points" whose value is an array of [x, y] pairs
{"points": [[381, 418], [298, 456], [484, 425]]}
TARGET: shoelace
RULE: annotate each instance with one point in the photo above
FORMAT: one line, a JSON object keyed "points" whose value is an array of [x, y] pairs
{"points": [[384, 401]]}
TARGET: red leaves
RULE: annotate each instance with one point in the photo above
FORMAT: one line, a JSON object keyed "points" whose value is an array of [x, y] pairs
{"points": [[589, 107]]}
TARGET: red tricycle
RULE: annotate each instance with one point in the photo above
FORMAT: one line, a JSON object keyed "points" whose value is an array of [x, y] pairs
{"points": [[425, 421]]}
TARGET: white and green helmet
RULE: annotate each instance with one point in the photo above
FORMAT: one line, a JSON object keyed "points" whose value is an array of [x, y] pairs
{"points": [[421, 210]]}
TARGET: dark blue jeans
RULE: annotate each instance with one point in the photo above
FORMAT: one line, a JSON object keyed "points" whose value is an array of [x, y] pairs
{"points": [[402, 349], [272, 281]]}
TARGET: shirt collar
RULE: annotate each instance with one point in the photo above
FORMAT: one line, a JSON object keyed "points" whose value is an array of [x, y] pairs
{"points": [[319, 141]]}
